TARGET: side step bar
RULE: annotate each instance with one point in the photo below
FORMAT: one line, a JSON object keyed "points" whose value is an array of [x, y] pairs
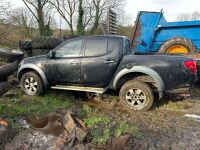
{"points": [[80, 88]]}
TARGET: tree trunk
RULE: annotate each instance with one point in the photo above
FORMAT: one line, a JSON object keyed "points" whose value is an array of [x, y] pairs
{"points": [[80, 26], [71, 25], [43, 29], [96, 21]]}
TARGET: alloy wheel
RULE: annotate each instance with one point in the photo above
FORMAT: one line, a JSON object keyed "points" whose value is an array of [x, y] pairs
{"points": [[136, 98], [31, 85]]}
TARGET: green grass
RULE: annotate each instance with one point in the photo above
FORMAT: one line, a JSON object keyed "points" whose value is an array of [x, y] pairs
{"points": [[125, 128], [22, 105], [96, 120], [102, 129], [85, 111], [99, 127], [100, 138]]}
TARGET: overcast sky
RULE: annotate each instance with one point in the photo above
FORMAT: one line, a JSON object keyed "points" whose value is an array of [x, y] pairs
{"points": [[171, 8]]}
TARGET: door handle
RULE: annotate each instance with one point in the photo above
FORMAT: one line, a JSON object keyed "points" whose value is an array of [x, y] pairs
{"points": [[109, 61], [74, 62]]}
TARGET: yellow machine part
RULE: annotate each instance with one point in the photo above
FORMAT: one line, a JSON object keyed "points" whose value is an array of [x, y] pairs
{"points": [[177, 49]]}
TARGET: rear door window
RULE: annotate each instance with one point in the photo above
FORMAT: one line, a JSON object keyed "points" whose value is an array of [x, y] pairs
{"points": [[96, 46], [115, 44]]}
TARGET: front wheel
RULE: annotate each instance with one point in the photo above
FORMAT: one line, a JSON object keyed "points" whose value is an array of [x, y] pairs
{"points": [[32, 84], [136, 95]]}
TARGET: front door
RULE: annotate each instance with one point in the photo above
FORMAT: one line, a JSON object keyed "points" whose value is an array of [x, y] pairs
{"points": [[65, 68]]}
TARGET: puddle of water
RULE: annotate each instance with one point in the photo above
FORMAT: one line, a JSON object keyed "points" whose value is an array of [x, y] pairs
{"points": [[48, 124]]}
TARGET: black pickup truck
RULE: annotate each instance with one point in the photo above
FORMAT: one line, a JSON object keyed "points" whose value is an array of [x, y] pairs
{"points": [[98, 63]]}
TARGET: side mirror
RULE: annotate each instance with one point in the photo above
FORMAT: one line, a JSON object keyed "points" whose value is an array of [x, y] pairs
{"points": [[52, 54]]}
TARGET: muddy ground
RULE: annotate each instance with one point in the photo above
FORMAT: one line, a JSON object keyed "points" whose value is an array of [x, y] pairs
{"points": [[164, 127]]}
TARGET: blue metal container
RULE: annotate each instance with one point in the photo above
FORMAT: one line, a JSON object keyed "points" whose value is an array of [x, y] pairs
{"points": [[152, 30]]}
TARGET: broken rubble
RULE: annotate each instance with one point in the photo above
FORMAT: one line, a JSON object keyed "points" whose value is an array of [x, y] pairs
{"points": [[73, 124], [51, 132]]}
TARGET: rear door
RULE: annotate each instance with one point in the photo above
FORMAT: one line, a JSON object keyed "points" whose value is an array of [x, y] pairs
{"points": [[100, 60]]}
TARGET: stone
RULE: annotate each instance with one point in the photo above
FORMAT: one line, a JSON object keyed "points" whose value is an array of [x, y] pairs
{"points": [[73, 124]]}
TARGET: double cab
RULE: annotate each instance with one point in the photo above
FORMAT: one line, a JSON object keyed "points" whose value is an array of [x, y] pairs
{"points": [[98, 63]]}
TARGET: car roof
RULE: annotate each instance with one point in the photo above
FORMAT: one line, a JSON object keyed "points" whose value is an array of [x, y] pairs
{"points": [[112, 36], [118, 36]]}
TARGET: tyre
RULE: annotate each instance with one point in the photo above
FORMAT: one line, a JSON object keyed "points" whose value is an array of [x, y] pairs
{"points": [[25, 45], [28, 53], [136, 95], [32, 84], [38, 52], [7, 70], [4, 87], [45, 42], [68, 37], [11, 55], [177, 45]]}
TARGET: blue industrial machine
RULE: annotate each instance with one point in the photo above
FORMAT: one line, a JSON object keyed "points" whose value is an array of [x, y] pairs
{"points": [[152, 33]]}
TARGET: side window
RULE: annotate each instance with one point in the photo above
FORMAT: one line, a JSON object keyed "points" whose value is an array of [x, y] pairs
{"points": [[70, 49], [127, 47], [96, 46], [115, 44]]}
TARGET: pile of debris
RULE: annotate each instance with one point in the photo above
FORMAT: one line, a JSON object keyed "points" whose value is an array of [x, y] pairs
{"points": [[55, 131], [4, 131]]}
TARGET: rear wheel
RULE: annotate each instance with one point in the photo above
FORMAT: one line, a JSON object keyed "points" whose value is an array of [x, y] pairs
{"points": [[136, 95], [177, 45], [32, 84]]}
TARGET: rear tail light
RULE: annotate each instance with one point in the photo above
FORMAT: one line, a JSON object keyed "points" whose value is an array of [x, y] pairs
{"points": [[191, 65]]}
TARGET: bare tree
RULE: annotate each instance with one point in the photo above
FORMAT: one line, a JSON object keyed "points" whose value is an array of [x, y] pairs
{"points": [[67, 10], [36, 7], [99, 7], [5, 7], [25, 20], [189, 16], [84, 16]]}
